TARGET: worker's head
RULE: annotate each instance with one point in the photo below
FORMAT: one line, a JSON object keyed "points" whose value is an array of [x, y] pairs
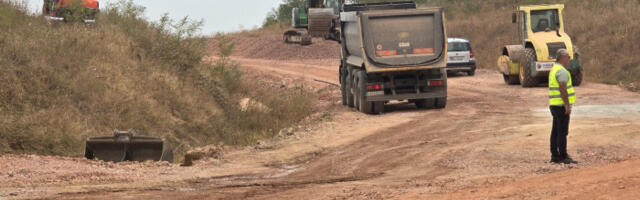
{"points": [[543, 25], [563, 57]]}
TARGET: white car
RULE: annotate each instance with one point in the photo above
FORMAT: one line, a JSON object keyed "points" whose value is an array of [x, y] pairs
{"points": [[461, 58]]}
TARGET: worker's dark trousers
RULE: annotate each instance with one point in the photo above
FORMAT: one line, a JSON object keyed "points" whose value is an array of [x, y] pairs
{"points": [[559, 132]]}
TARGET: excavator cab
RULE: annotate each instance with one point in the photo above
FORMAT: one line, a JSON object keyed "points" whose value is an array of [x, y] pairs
{"points": [[317, 19], [126, 146], [62, 10]]}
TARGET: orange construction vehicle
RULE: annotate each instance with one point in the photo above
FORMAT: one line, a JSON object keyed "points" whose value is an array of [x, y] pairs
{"points": [[62, 10]]}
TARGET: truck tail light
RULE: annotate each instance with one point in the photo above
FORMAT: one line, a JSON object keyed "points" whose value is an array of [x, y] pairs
{"points": [[374, 87], [423, 51], [386, 53], [436, 83]]}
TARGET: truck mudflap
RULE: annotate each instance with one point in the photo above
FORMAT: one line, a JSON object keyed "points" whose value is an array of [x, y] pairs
{"points": [[441, 93]]}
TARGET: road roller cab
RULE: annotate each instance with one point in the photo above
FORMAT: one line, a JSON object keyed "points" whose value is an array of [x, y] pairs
{"points": [[542, 32]]}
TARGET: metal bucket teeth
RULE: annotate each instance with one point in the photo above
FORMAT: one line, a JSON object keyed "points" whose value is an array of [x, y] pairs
{"points": [[320, 21], [124, 146]]}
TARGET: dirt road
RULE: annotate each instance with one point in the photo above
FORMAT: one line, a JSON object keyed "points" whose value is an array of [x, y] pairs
{"points": [[490, 142]]}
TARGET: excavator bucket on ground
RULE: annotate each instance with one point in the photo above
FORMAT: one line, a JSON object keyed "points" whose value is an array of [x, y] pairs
{"points": [[126, 146]]}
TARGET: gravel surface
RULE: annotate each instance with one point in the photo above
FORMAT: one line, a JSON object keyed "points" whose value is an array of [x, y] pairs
{"points": [[33, 170]]}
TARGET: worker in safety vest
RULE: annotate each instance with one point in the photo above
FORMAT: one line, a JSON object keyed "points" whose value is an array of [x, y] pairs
{"points": [[562, 96]]}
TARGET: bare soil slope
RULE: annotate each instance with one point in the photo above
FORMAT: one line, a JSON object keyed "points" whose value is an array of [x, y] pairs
{"points": [[271, 46]]}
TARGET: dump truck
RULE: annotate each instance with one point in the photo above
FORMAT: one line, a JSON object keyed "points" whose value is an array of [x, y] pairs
{"points": [[542, 32], [392, 51], [315, 20], [63, 10], [126, 146]]}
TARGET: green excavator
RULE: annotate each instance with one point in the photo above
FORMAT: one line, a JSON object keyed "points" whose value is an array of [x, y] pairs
{"points": [[315, 20]]}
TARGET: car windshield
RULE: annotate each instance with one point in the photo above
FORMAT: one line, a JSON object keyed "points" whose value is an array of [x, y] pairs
{"points": [[544, 20], [458, 46]]}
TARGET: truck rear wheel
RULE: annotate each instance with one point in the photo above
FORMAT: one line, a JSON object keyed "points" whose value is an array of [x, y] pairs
{"points": [[525, 68], [364, 105], [349, 89], [343, 85], [441, 102], [424, 103]]}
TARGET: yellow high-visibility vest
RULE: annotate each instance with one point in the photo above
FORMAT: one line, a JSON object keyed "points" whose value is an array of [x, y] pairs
{"points": [[555, 97]]}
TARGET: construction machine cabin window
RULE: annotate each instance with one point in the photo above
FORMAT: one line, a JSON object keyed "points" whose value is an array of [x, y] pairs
{"points": [[544, 20]]}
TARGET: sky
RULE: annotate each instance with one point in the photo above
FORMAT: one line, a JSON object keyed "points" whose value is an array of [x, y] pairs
{"points": [[218, 15]]}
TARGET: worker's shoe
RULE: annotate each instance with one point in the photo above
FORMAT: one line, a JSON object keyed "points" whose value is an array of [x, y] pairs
{"points": [[569, 160], [556, 159]]}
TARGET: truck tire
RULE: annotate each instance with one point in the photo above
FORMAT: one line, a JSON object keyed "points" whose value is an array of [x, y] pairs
{"points": [[378, 107], [424, 103], [441, 102], [525, 69], [343, 85], [356, 89], [364, 105], [576, 79], [348, 84]]}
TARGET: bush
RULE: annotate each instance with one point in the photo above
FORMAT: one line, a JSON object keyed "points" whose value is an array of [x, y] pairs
{"points": [[64, 82]]}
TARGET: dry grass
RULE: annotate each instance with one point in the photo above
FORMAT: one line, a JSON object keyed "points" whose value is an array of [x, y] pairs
{"points": [[61, 83], [604, 30]]}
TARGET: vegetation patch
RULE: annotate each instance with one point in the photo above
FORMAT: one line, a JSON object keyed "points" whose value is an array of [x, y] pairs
{"points": [[63, 82]]}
